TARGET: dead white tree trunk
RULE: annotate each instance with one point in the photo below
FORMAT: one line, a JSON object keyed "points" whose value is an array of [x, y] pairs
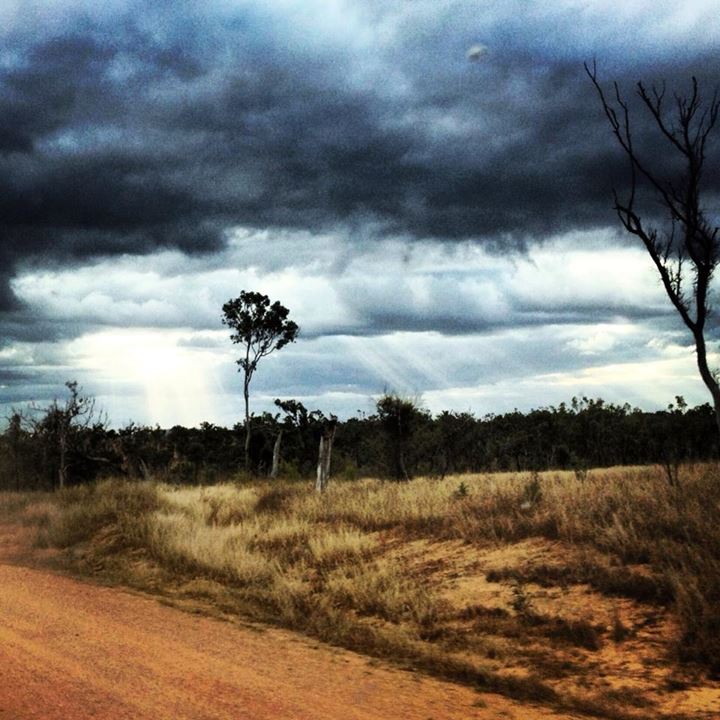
{"points": [[144, 470], [276, 455], [325, 456]]}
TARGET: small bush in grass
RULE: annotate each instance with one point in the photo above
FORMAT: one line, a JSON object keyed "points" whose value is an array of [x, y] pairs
{"points": [[461, 492], [521, 601]]}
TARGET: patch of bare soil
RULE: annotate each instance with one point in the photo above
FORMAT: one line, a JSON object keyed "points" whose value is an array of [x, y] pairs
{"points": [[75, 651], [607, 649]]}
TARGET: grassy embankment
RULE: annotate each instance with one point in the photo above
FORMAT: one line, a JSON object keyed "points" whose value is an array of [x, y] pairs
{"points": [[541, 588]]}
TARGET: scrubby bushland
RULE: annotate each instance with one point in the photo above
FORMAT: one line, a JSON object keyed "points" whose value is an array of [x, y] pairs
{"points": [[399, 441]]}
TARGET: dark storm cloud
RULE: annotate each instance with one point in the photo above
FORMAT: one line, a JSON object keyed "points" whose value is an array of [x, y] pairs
{"points": [[140, 129], [386, 321]]}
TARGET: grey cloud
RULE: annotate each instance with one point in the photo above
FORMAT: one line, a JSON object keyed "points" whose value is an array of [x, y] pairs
{"points": [[162, 128], [378, 289]]}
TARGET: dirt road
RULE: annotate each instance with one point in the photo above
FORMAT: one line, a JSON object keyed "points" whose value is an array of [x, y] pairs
{"points": [[74, 651]]}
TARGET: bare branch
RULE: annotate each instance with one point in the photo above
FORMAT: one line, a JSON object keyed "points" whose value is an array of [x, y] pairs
{"points": [[696, 243]]}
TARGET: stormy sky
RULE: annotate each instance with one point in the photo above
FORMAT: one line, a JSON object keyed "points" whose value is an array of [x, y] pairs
{"points": [[439, 227]]}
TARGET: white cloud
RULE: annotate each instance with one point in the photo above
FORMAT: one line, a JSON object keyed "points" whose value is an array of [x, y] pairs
{"points": [[453, 323], [600, 340]]}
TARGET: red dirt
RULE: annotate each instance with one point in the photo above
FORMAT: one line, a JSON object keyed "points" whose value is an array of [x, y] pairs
{"points": [[74, 651]]}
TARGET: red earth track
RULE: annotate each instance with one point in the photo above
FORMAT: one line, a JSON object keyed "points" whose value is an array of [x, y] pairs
{"points": [[75, 651]]}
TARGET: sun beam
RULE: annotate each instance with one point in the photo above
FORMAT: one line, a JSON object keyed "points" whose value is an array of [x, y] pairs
{"points": [[175, 379]]}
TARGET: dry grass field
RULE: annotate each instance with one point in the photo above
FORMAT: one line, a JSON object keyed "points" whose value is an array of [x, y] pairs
{"points": [[596, 594]]}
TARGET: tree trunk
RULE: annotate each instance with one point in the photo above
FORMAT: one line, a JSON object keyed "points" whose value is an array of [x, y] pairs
{"points": [[328, 451], [144, 471], [325, 457], [276, 456], [247, 425], [445, 465], [706, 374], [62, 464], [402, 469], [320, 478]]}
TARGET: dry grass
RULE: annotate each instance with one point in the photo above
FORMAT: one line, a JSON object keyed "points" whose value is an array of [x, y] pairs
{"points": [[13, 505], [339, 566]]}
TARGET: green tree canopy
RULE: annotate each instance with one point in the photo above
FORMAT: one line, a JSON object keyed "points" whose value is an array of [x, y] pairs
{"points": [[259, 327]]}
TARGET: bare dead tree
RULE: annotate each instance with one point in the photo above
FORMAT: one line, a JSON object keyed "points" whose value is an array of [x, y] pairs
{"points": [[276, 455], [58, 424], [325, 454], [685, 251]]}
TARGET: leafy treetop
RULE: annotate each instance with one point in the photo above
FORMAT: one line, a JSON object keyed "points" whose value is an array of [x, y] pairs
{"points": [[259, 325]]}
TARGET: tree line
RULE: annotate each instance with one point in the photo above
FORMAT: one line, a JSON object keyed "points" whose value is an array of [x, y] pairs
{"points": [[397, 441]]}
